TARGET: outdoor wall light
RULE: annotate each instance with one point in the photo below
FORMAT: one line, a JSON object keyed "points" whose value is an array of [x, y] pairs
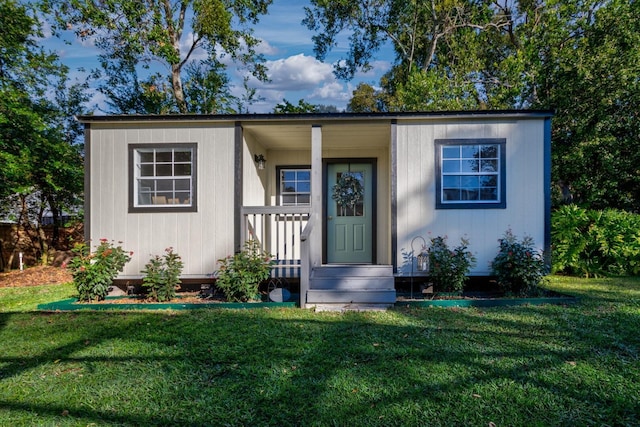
{"points": [[260, 160], [423, 262]]}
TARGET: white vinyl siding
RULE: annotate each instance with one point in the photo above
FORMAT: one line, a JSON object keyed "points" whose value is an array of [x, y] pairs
{"points": [[417, 195], [200, 237]]}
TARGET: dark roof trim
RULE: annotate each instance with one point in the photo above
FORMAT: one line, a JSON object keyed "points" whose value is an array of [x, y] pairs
{"points": [[315, 116]]}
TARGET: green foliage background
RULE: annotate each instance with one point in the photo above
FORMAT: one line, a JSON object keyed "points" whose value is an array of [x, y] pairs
{"points": [[592, 243], [578, 58]]}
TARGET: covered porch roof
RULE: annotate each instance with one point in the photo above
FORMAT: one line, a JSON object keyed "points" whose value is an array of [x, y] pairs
{"points": [[335, 135]]}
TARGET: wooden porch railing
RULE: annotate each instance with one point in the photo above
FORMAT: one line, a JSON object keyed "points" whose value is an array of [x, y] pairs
{"points": [[278, 229]]}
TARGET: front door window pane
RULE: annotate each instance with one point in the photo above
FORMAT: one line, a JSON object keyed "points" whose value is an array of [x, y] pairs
{"points": [[352, 202]]}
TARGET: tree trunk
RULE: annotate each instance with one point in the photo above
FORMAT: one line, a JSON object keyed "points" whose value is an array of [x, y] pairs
{"points": [[44, 245], [55, 213], [178, 93], [2, 264]]}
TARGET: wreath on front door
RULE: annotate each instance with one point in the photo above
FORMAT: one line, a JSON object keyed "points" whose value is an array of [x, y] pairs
{"points": [[348, 190]]}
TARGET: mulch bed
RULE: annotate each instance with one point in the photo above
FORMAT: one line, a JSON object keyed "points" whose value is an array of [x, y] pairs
{"points": [[182, 298], [35, 276]]}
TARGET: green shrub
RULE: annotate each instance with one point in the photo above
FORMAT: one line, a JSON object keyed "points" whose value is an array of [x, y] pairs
{"points": [[162, 276], [519, 268], [448, 268], [595, 243], [239, 276], [93, 273]]}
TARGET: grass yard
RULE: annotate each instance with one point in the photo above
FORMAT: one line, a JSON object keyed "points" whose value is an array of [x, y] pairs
{"points": [[530, 365]]}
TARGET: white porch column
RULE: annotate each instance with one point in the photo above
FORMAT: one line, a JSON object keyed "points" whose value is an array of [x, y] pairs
{"points": [[311, 238], [316, 195]]}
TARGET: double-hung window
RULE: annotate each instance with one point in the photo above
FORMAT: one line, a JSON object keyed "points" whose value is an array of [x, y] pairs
{"points": [[163, 177], [294, 185], [470, 173]]}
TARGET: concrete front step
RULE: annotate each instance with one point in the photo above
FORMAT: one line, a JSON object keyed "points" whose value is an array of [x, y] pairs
{"points": [[352, 277], [351, 307], [353, 270], [360, 287], [366, 296], [352, 283]]}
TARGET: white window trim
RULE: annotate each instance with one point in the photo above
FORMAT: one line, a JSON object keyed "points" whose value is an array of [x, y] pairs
{"points": [[134, 177], [500, 203], [281, 193]]}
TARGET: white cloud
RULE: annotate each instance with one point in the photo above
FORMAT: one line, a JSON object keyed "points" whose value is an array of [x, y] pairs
{"points": [[300, 77], [298, 72], [332, 91], [270, 98], [264, 48]]}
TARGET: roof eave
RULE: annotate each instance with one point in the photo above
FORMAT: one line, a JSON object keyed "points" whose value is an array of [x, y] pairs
{"points": [[132, 118]]}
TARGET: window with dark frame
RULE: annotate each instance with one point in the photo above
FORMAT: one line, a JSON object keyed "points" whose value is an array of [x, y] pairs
{"points": [[294, 186], [163, 177], [470, 173]]}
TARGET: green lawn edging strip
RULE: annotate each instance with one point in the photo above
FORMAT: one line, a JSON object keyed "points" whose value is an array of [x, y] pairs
{"points": [[489, 302], [72, 304]]}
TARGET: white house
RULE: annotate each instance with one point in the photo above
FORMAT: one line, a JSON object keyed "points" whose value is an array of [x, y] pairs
{"points": [[204, 184]]}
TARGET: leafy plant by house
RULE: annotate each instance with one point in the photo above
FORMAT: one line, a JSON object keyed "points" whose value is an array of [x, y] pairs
{"points": [[93, 272], [162, 275], [239, 276], [449, 268], [595, 242], [519, 267]]}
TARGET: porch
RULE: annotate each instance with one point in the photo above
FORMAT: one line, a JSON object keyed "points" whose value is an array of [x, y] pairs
{"points": [[287, 232], [285, 184]]}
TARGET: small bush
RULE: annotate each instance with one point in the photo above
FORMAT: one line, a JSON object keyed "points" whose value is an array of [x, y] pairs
{"points": [[93, 273], [595, 243], [448, 268], [518, 267], [239, 276], [162, 276]]}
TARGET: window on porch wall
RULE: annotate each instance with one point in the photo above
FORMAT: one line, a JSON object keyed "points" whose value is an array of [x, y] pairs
{"points": [[294, 186]]}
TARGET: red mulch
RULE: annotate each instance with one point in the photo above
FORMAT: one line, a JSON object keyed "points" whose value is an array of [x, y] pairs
{"points": [[35, 276], [183, 298]]}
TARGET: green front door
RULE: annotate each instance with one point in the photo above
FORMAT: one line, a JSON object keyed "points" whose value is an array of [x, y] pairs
{"points": [[349, 212]]}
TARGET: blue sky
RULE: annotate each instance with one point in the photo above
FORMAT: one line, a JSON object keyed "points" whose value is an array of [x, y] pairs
{"points": [[286, 44]]}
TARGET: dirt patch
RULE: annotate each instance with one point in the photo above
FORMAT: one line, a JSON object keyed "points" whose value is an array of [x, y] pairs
{"points": [[35, 276]]}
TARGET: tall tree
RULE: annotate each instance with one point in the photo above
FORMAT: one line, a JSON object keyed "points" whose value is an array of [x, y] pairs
{"points": [[40, 157], [580, 58], [134, 33], [588, 69], [366, 99], [417, 29], [286, 107], [438, 44]]}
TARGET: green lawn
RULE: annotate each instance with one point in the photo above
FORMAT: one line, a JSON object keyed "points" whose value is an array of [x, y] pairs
{"points": [[531, 365]]}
